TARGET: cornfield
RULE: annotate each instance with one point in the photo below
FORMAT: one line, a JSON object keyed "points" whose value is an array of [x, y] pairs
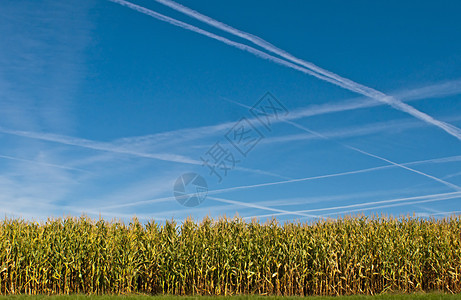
{"points": [[356, 255]]}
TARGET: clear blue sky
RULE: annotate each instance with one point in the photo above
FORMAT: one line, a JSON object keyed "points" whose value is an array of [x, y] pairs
{"points": [[104, 107]]}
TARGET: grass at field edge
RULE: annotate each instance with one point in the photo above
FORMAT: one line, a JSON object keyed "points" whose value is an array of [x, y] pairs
{"points": [[424, 296]]}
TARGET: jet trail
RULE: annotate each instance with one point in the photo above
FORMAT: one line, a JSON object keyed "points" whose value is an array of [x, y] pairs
{"points": [[327, 76], [406, 201], [100, 146], [240, 46], [42, 163], [251, 205], [449, 197], [451, 185], [244, 187], [448, 184], [338, 80]]}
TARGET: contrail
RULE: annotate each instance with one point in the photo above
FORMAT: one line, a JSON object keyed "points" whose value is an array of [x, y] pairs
{"points": [[425, 197], [419, 199], [353, 131], [453, 175], [448, 197], [453, 186], [338, 80], [89, 144], [251, 205], [388, 99], [436, 90], [42, 163], [164, 138], [99, 146], [446, 213], [240, 46], [323, 76], [244, 187]]}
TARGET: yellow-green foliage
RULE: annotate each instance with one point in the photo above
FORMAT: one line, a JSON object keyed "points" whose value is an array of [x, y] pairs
{"points": [[347, 256]]}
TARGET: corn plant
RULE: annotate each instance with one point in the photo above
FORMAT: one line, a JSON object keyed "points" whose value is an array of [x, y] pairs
{"points": [[353, 255]]}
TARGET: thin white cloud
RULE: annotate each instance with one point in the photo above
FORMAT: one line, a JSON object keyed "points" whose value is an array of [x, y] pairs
{"points": [[448, 184]]}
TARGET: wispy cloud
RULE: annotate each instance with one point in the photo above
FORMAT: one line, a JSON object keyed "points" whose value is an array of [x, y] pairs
{"points": [[224, 40], [42, 61]]}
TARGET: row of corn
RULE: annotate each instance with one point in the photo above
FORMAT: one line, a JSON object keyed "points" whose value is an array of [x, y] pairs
{"points": [[356, 255]]}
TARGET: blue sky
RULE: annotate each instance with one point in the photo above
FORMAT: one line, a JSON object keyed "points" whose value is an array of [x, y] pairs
{"points": [[105, 106]]}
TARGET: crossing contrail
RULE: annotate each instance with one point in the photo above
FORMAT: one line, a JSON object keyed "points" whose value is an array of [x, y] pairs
{"points": [[442, 198], [274, 183], [224, 40], [448, 184], [443, 89], [322, 74], [338, 80], [388, 203], [257, 206], [120, 149], [244, 187], [313, 70]]}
